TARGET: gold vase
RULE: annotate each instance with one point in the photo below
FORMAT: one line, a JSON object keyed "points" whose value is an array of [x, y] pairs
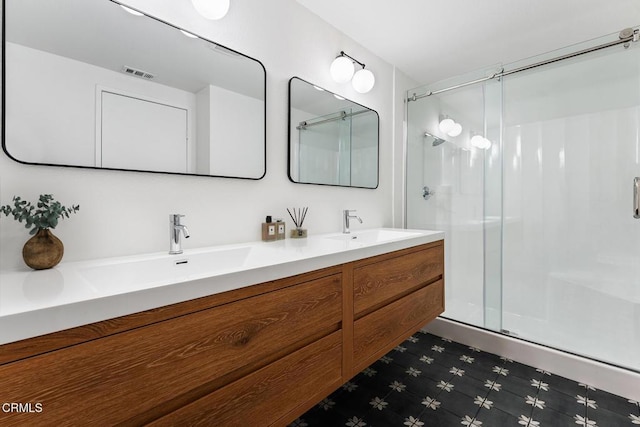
{"points": [[42, 251]]}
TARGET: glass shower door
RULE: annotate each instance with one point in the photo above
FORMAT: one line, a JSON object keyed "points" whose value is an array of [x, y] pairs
{"points": [[446, 189], [571, 246], [541, 239]]}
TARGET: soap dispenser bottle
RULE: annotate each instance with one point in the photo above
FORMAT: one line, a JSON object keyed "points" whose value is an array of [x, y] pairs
{"points": [[269, 230], [280, 229]]}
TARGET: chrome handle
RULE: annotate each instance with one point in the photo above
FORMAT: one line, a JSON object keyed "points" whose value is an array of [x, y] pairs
{"points": [[636, 197]]}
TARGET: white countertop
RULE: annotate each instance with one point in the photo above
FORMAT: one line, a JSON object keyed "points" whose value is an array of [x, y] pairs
{"points": [[72, 294]]}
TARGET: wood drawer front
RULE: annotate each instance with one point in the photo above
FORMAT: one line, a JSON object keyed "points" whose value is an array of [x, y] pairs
{"points": [[168, 364], [381, 282], [380, 331], [262, 397]]}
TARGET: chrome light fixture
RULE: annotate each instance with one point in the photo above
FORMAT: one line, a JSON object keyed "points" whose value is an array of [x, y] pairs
{"points": [[211, 9], [342, 70]]}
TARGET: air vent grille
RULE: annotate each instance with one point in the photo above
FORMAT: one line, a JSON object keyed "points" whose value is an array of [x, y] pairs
{"points": [[137, 73]]}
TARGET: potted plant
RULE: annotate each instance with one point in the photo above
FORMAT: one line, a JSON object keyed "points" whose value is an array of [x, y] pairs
{"points": [[43, 250]]}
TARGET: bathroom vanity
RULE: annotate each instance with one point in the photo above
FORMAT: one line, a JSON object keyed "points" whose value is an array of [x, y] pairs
{"points": [[266, 350]]}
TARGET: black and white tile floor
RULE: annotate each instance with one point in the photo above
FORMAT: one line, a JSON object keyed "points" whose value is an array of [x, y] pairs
{"points": [[430, 381]]}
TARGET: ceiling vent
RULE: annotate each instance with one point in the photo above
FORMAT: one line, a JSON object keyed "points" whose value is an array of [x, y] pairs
{"points": [[137, 73]]}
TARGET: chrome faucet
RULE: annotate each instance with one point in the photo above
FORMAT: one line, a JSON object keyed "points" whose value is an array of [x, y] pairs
{"points": [[175, 229], [346, 215]]}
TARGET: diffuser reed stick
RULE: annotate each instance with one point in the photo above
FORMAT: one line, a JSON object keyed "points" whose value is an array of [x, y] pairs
{"points": [[297, 216]]}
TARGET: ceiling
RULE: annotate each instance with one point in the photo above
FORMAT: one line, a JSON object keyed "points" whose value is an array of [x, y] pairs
{"points": [[430, 40]]}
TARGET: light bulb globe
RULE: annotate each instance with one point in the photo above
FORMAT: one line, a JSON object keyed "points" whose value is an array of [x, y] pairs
{"points": [[446, 125], [455, 130], [477, 141], [211, 9], [341, 69], [363, 81]]}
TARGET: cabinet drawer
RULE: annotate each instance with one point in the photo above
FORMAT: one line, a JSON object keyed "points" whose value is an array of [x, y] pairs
{"points": [[381, 282], [262, 397], [377, 333], [150, 370]]}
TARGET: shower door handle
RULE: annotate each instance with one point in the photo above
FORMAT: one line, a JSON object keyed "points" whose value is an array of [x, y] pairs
{"points": [[636, 197]]}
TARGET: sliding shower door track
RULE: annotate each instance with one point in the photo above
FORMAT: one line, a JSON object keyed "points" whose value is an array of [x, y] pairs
{"points": [[625, 37]]}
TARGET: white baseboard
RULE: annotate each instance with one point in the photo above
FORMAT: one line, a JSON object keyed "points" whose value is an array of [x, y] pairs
{"points": [[599, 375]]}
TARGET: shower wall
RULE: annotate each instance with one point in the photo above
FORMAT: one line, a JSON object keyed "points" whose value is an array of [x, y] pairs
{"points": [[541, 242]]}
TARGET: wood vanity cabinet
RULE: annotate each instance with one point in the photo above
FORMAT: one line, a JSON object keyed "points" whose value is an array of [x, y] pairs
{"points": [[267, 352], [394, 295]]}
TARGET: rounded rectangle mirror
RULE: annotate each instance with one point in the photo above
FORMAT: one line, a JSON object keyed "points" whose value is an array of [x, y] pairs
{"points": [[332, 141], [89, 84]]}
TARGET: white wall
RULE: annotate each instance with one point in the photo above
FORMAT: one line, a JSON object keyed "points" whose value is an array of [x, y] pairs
{"points": [[125, 212]]}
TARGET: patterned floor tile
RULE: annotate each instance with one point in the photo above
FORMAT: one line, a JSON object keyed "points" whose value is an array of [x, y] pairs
{"points": [[430, 382], [471, 386], [421, 386], [613, 403], [551, 418], [439, 418], [562, 403], [604, 418], [564, 385], [512, 403], [458, 403], [383, 418], [496, 417], [525, 372], [518, 386]]}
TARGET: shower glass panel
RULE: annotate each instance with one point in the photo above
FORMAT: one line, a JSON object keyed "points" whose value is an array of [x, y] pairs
{"points": [[541, 240], [325, 150], [571, 247], [446, 180]]}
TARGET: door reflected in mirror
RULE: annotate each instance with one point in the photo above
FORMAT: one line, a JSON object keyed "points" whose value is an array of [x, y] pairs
{"points": [[88, 84], [332, 141]]}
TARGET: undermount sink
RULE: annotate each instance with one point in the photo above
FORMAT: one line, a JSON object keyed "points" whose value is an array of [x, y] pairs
{"points": [[373, 236]]}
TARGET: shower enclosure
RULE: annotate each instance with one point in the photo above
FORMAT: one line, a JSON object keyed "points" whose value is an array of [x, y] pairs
{"points": [[536, 196]]}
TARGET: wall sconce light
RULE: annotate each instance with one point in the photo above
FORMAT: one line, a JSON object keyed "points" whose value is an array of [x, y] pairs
{"points": [[480, 141], [342, 70], [449, 126], [211, 9]]}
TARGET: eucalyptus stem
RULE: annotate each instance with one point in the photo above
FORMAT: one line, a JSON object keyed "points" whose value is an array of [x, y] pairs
{"points": [[45, 214]]}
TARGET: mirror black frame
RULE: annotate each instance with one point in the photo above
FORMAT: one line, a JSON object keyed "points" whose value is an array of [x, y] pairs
{"points": [[289, 160], [4, 107]]}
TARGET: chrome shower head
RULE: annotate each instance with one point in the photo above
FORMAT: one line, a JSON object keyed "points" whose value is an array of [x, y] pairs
{"points": [[436, 141]]}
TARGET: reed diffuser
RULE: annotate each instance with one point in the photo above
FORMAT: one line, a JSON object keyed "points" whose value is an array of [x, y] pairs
{"points": [[298, 217]]}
